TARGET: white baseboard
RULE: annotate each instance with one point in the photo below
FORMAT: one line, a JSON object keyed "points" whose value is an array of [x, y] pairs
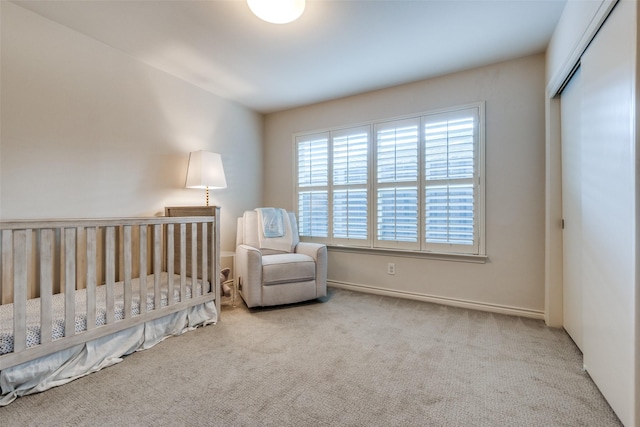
{"points": [[493, 308]]}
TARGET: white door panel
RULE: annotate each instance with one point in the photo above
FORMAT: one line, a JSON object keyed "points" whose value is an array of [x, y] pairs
{"points": [[570, 108], [608, 209]]}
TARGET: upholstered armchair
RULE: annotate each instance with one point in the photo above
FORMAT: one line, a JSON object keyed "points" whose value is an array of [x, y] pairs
{"points": [[272, 266]]}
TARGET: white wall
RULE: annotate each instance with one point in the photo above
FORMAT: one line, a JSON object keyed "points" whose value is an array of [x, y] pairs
{"points": [[89, 132], [513, 276]]}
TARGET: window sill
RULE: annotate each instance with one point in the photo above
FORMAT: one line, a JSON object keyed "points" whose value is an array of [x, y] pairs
{"points": [[477, 259]]}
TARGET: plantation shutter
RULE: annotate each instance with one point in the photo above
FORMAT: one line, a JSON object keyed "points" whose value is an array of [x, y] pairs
{"points": [[350, 181], [397, 178], [450, 158], [313, 185]]}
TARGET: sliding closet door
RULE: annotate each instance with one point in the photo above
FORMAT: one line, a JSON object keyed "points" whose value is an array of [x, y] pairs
{"points": [[571, 113], [608, 168]]}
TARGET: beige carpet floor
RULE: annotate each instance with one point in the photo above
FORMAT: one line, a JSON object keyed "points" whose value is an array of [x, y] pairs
{"points": [[352, 360]]}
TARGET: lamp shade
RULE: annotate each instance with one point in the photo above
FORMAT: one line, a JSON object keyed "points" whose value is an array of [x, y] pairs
{"points": [[205, 171]]}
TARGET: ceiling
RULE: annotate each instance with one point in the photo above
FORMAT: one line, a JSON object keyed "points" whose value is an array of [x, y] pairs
{"points": [[336, 49]]}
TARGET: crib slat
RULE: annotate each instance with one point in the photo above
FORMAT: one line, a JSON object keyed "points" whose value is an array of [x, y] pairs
{"points": [[170, 264], [128, 295], [110, 260], [205, 264], [215, 259], [81, 259], [194, 257], [92, 250], [157, 248], [2, 267], [21, 251], [69, 281], [7, 271], [183, 261], [143, 269], [46, 284]]}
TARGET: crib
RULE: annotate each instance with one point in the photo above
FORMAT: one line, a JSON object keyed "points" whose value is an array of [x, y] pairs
{"points": [[78, 295]]}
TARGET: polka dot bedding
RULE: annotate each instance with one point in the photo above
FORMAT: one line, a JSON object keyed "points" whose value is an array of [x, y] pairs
{"points": [[58, 323]]}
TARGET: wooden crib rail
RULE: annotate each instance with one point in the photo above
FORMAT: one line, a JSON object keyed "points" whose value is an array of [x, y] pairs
{"points": [[41, 258]]}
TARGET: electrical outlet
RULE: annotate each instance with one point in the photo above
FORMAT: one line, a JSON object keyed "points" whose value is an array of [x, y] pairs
{"points": [[391, 268]]}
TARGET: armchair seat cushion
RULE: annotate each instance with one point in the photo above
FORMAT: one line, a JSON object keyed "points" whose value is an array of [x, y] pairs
{"points": [[288, 267]]}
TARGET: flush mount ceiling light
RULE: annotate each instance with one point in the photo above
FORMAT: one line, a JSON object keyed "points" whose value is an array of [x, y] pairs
{"points": [[277, 11]]}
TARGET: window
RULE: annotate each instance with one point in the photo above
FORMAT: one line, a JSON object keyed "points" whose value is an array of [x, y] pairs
{"points": [[404, 184]]}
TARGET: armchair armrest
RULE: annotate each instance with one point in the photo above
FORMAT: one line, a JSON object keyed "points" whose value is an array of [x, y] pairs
{"points": [[249, 275], [314, 250], [318, 252]]}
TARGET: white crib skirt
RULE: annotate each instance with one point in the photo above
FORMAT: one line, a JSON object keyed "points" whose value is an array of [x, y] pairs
{"points": [[67, 365]]}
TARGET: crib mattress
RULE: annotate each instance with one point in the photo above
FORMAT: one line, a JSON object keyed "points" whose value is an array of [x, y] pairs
{"points": [[58, 322]]}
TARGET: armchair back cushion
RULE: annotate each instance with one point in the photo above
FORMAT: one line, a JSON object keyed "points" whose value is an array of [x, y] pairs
{"points": [[250, 233]]}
